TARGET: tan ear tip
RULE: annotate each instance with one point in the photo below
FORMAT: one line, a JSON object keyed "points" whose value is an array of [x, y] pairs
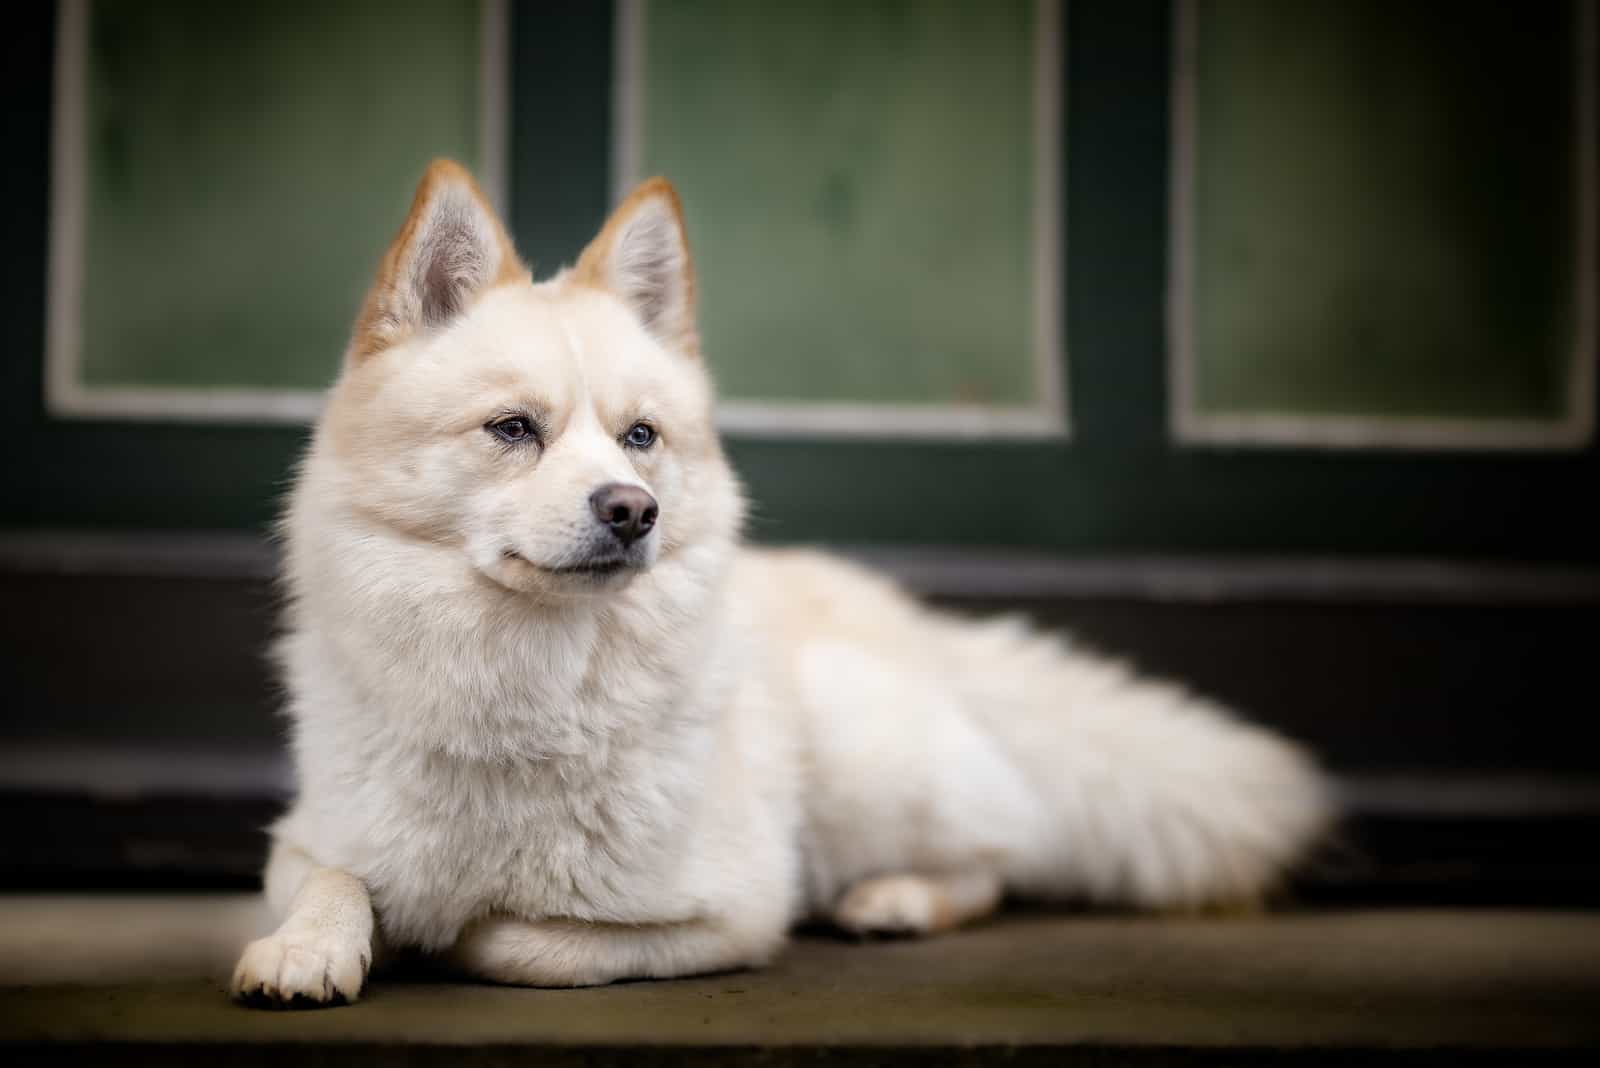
{"points": [[657, 184], [445, 167], [443, 172], [651, 188]]}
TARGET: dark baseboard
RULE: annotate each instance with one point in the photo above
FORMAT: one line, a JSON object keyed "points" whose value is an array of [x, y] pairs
{"points": [[75, 841]]}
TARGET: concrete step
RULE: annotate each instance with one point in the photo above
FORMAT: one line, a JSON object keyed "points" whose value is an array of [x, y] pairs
{"points": [[140, 979]]}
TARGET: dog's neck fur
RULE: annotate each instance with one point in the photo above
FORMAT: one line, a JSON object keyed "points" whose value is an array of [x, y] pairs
{"points": [[439, 660]]}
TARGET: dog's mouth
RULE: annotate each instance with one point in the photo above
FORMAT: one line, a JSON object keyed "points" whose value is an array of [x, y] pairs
{"points": [[592, 568]]}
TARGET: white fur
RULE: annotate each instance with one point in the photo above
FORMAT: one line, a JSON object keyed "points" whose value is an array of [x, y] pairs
{"points": [[566, 781]]}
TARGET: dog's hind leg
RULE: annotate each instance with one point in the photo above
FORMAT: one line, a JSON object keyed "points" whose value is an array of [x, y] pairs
{"points": [[916, 904], [321, 952], [563, 953]]}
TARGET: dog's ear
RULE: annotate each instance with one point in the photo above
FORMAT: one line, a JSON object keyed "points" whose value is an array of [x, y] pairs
{"points": [[451, 248], [642, 257]]}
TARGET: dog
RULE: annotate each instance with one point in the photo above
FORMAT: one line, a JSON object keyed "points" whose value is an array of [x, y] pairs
{"points": [[554, 725]]}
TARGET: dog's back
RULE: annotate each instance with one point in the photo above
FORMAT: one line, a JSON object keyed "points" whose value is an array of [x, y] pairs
{"points": [[939, 744]]}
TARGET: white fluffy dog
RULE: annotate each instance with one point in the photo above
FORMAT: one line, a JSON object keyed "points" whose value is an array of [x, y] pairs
{"points": [[553, 722]]}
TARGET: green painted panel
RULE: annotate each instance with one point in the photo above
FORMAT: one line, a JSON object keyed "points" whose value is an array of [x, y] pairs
{"points": [[1384, 207], [1118, 487], [245, 166], [858, 179]]}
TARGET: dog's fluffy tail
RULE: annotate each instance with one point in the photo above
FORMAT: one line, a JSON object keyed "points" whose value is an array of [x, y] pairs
{"points": [[1154, 798]]}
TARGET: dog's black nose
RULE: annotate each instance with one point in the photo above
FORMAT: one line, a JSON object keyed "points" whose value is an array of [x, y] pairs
{"points": [[629, 511]]}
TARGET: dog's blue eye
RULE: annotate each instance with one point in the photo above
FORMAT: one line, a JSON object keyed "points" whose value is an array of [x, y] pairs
{"points": [[640, 436], [512, 431]]}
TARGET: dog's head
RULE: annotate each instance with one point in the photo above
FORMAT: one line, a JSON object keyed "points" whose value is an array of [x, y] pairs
{"points": [[559, 434]]}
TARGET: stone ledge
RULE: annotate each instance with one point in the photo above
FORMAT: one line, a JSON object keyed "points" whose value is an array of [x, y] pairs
{"points": [[141, 979]]}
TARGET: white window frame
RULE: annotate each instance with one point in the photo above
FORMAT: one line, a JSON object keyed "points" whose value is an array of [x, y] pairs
{"points": [[1190, 426], [1046, 417], [66, 395]]}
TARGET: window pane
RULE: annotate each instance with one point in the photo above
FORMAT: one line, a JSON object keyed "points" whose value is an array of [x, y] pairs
{"points": [[1383, 211], [860, 181], [241, 167]]}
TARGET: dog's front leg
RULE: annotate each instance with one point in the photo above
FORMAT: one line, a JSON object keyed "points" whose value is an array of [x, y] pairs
{"points": [[563, 953], [321, 952]]}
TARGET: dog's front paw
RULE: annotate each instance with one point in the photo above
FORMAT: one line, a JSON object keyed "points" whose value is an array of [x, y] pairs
{"points": [[889, 905], [301, 970]]}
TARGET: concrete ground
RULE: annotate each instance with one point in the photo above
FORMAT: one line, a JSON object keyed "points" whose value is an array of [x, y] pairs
{"points": [[141, 979]]}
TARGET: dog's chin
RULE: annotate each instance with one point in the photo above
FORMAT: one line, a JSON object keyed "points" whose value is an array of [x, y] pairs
{"points": [[575, 578]]}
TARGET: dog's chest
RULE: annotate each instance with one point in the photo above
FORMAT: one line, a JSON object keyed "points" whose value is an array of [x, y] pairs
{"points": [[556, 838], [525, 774]]}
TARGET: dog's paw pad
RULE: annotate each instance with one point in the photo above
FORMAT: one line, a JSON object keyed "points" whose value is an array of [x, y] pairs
{"points": [[301, 971], [889, 905]]}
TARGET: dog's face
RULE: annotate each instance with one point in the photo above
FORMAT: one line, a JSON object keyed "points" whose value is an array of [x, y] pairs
{"points": [[560, 435]]}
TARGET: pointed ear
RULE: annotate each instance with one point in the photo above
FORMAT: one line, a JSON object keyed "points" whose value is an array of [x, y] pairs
{"points": [[642, 258], [451, 248]]}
